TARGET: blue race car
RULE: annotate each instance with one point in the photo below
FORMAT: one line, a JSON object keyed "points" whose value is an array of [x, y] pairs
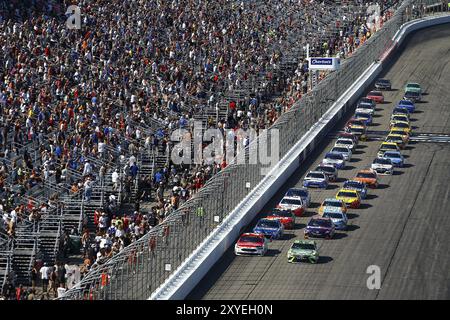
{"points": [[269, 228], [365, 117], [396, 157], [315, 179], [358, 186], [319, 227], [407, 104]]}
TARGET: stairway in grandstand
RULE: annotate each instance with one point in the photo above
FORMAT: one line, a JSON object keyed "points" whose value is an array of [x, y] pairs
{"points": [[25, 250]]}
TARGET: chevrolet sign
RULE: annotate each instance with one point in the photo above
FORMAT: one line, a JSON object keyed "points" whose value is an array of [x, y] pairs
{"points": [[323, 63]]}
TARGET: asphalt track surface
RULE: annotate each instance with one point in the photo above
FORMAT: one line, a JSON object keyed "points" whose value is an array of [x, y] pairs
{"points": [[403, 226]]}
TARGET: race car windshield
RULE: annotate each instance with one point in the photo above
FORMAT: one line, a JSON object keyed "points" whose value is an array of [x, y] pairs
{"points": [[250, 239], [401, 125], [344, 142], [340, 149], [406, 102], [411, 94], [334, 156], [365, 175], [413, 85], [268, 224], [303, 246], [383, 81], [388, 146], [315, 175], [333, 215], [362, 115], [382, 161], [296, 193], [326, 169], [320, 223], [346, 194], [352, 184], [392, 155], [296, 202], [375, 93], [335, 204]]}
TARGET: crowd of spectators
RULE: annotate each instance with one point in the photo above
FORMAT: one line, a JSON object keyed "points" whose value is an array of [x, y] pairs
{"points": [[79, 106]]}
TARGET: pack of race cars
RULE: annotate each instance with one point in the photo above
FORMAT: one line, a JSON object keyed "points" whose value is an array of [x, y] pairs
{"points": [[332, 213]]}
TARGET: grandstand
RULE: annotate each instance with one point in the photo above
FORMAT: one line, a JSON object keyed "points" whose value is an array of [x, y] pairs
{"points": [[81, 106]]}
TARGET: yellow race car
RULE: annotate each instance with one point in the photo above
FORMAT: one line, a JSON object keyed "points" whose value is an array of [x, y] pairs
{"points": [[398, 118], [402, 133], [332, 202], [396, 138], [387, 146], [350, 197], [402, 125]]}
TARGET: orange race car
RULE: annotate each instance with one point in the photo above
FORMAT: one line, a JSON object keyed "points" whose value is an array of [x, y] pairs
{"points": [[369, 177]]}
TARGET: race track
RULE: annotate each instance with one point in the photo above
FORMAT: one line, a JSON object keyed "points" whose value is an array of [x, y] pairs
{"points": [[403, 227]]}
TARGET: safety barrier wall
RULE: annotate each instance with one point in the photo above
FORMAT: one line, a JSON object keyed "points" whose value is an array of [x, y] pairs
{"points": [[188, 275]]}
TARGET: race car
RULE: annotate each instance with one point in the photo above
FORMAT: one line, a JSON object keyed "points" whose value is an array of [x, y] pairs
{"points": [[401, 110], [358, 131], [332, 203], [396, 138], [286, 217], [413, 96], [251, 243], [345, 151], [383, 84], [338, 217], [269, 228], [347, 135], [382, 166], [376, 96], [369, 177], [319, 227], [350, 197], [315, 179], [303, 193], [358, 186], [387, 146], [366, 105], [398, 118], [413, 87], [354, 122], [335, 159], [301, 250], [408, 105], [345, 142], [396, 157], [405, 126], [329, 170], [294, 204], [400, 132], [365, 117]]}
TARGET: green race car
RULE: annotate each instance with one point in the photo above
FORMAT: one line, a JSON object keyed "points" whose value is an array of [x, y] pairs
{"points": [[303, 250], [413, 87]]}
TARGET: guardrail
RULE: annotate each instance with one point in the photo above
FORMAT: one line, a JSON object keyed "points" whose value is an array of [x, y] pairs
{"points": [[185, 278]]}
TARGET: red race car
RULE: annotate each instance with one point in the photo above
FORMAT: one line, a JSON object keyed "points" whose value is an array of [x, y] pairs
{"points": [[286, 217], [354, 121], [251, 243], [376, 96]]}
